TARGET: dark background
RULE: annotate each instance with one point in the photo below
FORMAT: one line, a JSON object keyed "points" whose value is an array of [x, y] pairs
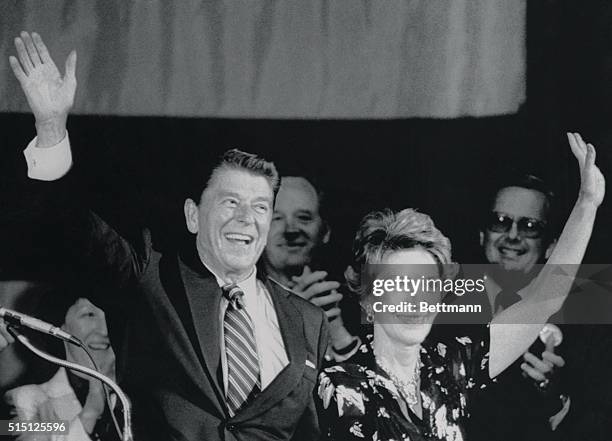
{"points": [[134, 170]]}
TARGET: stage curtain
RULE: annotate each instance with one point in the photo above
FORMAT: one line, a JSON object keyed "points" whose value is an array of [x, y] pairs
{"points": [[280, 59]]}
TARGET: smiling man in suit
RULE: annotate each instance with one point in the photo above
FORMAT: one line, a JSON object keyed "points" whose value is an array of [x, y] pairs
{"points": [[518, 234], [213, 352]]}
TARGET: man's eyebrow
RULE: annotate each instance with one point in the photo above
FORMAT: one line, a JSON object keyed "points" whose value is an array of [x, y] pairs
{"points": [[264, 199], [229, 193], [226, 193]]}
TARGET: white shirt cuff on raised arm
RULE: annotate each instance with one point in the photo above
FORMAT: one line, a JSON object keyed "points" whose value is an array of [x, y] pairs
{"points": [[48, 164]]}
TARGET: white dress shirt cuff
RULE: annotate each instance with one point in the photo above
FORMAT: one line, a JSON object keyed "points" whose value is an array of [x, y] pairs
{"points": [[48, 164]]}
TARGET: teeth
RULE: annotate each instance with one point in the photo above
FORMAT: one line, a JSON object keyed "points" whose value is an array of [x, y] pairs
{"points": [[97, 346], [237, 236]]}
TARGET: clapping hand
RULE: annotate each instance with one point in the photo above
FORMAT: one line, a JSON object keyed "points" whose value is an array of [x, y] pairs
{"points": [[543, 371], [312, 286]]}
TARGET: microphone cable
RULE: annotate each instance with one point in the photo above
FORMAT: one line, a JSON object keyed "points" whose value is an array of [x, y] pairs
{"points": [[94, 373]]}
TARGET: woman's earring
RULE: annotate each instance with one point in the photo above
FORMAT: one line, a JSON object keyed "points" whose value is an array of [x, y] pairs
{"points": [[369, 314]]}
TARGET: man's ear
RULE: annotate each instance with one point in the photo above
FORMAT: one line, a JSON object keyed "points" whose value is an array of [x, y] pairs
{"points": [[550, 249], [481, 235], [191, 215]]}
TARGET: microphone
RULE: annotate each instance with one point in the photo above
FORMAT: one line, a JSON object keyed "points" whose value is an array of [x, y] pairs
{"points": [[18, 319]]}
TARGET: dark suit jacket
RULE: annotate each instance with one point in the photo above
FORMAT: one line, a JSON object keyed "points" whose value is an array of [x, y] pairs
{"points": [[512, 407], [170, 365]]}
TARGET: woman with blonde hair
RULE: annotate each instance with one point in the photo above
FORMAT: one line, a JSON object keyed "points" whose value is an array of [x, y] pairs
{"points": [[404, 385]]}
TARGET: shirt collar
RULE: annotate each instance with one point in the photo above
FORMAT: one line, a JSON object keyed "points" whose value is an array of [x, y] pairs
{"points": [[248, 285]]}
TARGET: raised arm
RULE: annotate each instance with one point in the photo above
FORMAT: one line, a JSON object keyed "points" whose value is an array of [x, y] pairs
{"points": [[50, 97], [513, 330]]}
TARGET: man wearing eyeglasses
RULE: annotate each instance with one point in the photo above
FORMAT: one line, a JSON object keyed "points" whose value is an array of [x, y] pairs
{"points": [[515, 238], [516, 235]]}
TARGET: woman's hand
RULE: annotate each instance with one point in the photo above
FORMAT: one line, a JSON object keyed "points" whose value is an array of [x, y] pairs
{"points": [[592, 182]]}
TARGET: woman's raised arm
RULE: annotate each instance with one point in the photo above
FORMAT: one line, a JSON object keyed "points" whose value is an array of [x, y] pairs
{"points": [[514, 329]]}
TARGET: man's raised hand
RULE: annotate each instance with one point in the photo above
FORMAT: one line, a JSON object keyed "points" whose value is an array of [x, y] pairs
{"points": [[50, 96]]}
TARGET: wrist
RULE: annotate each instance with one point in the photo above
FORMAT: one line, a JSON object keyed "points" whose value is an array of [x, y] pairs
{"points": [[50, 131], [587, 202], [340, 337], [346, 351]]}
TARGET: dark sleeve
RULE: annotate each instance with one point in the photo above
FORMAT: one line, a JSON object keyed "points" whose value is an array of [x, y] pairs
{"points": [[31, 220], [110, 255], [508, 399], [589, 382], [45, 223], [323, 341]]}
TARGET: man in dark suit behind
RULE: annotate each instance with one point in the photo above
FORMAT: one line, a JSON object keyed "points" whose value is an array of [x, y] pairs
{"points": [[214, 352], [298, 255], [516, 235]]}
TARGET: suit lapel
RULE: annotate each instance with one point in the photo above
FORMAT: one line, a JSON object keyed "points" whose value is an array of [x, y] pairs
{"points": [[169, 292], [204, 298], [291, 326]]}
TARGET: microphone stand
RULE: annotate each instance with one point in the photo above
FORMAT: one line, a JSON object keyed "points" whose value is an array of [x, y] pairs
{"points": [[127, 417]]}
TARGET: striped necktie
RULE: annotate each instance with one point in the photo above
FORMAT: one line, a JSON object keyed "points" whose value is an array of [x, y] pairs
{"points": [[241, 351]]}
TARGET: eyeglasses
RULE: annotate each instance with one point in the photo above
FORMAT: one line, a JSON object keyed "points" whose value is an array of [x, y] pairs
{"points": [[526, 227]]}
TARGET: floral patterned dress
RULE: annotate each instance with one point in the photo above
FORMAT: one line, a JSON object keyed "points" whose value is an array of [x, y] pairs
{"points": [[358, 401]]}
